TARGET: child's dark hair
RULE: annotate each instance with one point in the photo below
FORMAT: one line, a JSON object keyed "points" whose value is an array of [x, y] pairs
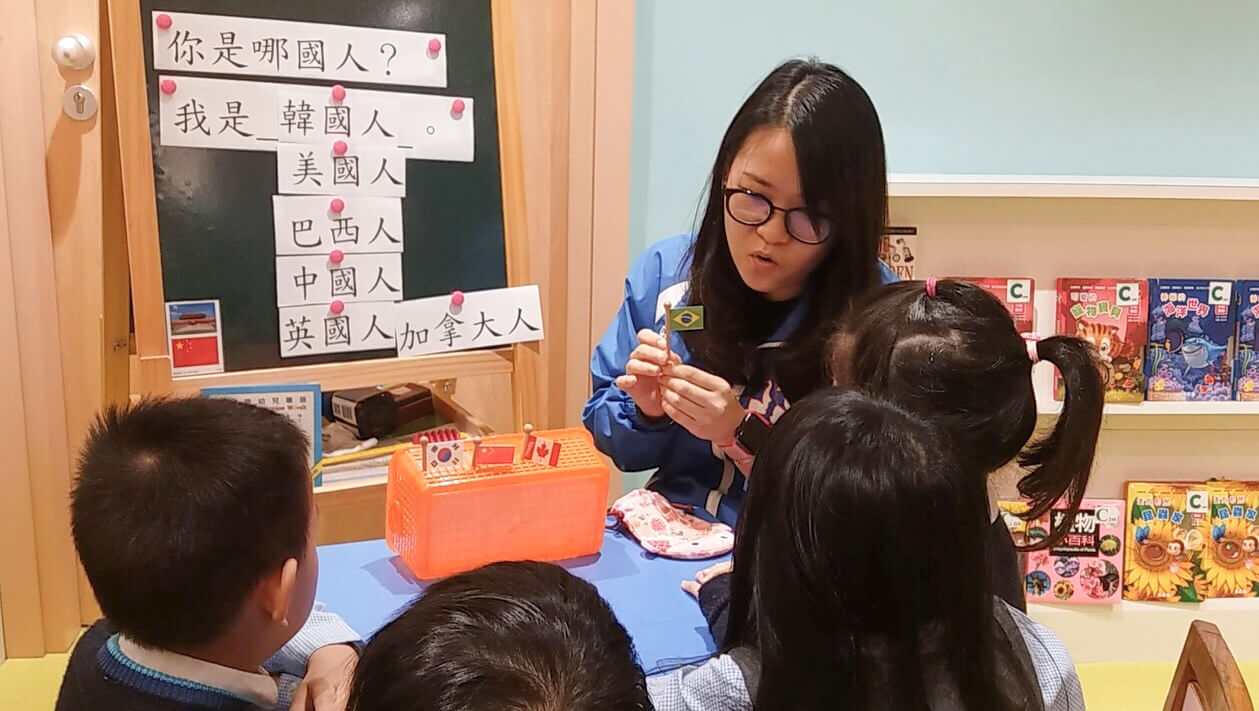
{"points": [[957, 358], [842, 580], [843, 174], [181, 507], [505, 637]]}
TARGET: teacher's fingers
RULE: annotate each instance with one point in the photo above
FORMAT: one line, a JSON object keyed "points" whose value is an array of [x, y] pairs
{"points": [[626, 382], [650, 354], [635, 366], [648, 337], [691, 587], [678, 416], [690, 391], [701, 378], [692, 410]]}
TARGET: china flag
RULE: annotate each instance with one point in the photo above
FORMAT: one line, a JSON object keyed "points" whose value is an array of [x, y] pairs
{"points": [[541, 450], [188, 352], [488, 454]]}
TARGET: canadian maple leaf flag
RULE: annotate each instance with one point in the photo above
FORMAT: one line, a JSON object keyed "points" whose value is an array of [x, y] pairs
{"points": [[541, 450]]}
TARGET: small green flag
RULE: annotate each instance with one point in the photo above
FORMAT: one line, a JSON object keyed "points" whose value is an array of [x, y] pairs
{"points": [[686, 318]]}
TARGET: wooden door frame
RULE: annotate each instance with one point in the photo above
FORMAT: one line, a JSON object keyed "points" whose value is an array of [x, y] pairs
{"points": [[38, 572]]}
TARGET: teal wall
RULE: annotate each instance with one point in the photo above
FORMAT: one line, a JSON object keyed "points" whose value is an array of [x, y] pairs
{"points": [[1052, 87]]}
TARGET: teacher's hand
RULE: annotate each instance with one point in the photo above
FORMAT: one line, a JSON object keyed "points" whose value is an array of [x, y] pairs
{"points": [[642, 372], [703, 403]]}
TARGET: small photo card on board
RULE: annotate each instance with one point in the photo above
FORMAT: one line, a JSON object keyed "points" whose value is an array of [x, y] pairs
{"points": [[195, 337]]}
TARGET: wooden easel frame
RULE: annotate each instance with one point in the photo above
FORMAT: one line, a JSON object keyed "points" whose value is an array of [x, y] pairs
{"points": [[521, 361]]}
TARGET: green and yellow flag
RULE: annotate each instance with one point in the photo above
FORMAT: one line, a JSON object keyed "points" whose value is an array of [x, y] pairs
{"points": [[686, 318]]}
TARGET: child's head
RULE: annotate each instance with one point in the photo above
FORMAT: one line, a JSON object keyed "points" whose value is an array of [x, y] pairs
{"points": [[194, 520], [955, 356], [860, 534], [505, 637], [796, 203]]}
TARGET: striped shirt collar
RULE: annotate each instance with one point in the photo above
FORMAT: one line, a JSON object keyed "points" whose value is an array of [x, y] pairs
{"points": [[258, 688]]}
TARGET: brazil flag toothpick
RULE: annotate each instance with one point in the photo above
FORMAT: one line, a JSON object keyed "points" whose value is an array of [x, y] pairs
{"points": [[686, 318]]}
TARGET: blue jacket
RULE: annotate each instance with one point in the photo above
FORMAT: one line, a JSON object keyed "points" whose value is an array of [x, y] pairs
{"points": [[689, 470]]}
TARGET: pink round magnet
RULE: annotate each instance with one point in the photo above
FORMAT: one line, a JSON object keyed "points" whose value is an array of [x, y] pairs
{"points": [[167, 86], [434, 46], [457, 106], [456, 298], [340, 148], [164, 21], [337, 256], [337, 205], [338, 93], [337, 306]]}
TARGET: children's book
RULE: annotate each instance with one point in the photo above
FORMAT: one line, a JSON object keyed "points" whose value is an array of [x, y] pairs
{"points": [[1167, 533], [1246, 369], [1191, 340], [1018, 295], [1230, 558], [1111, 315], [899, 251], [1086, 566]]}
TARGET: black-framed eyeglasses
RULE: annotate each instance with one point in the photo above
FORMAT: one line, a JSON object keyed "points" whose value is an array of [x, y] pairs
{"points": [[754, 209]]}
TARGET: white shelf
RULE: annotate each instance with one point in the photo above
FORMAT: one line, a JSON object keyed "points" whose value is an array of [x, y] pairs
{"points": [[1071, 186], [1148, 631], [1164, 409]]}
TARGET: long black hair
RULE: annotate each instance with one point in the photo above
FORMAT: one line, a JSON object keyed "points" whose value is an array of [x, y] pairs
{"points": [[503, 637], [957, 358], [841, 578], [843, 173]]}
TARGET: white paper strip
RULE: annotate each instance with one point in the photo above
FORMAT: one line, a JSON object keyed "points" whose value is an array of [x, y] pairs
{"points": [[487, 318], [226, 113], [223, 44], [307, 225], [310, 169], [301, 281], [312, 330], [312, 115]]}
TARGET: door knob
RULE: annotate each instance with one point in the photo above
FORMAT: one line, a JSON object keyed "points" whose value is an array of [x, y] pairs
{"points": [[74, 51]]}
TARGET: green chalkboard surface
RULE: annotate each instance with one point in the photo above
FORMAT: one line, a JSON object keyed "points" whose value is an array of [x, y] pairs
{"points": [[214, 207]]}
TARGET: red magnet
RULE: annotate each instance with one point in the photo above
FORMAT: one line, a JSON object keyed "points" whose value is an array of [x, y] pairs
{"points": [[457, 106], [338, 93], [164, 22], [167, 86], [456, 298], [336, 257], [340, 148], [337, 306], [337, 205], [434, 46]]}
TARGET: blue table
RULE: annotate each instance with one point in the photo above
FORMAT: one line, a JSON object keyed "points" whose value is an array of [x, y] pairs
{"points": [[368, 585]]}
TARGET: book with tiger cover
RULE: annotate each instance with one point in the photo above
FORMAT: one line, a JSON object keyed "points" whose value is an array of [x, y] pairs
{"points": [[1230, 558], [1168, 528], [1017, 293], [1086, 566], [1111, 315]]}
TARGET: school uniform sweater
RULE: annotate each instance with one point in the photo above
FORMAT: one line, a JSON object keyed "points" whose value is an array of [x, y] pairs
{"points": [[108, 672], [689, 470]]}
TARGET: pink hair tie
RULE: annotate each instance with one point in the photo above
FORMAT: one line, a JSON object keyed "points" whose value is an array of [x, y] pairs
{"points": [[931, 287], [1033, 346]]}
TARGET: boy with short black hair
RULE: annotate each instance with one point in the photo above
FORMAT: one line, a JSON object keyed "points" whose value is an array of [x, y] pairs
{"points": [[508, 636], [195, 522]]}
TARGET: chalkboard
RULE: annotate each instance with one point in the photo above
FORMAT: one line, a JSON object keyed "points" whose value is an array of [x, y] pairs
{"points": [[214, 207]]}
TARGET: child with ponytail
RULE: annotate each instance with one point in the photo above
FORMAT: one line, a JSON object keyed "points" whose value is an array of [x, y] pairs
{"points": [[949, 351]]}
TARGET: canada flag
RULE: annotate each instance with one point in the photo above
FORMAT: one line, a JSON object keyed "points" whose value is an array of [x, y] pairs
{"points": [[541, 450]]}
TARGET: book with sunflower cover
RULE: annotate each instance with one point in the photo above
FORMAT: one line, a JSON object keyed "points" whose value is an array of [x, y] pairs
{"points": [[1167, 532], [1085, 566], [1230, 559]]}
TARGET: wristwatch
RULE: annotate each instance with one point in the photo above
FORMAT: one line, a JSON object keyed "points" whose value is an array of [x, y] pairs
{"points": [[751, 433]]}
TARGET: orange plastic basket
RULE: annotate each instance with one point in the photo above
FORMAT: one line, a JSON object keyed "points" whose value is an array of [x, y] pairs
{"points": [[442, 523]]}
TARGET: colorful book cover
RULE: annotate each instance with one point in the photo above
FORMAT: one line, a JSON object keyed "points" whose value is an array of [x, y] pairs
{"points": [[1191, 340], [1230, 561], [1247, 368], [1167, 526], [1018, 295], [899, 251], [1111, 315], [1085, 567]]}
